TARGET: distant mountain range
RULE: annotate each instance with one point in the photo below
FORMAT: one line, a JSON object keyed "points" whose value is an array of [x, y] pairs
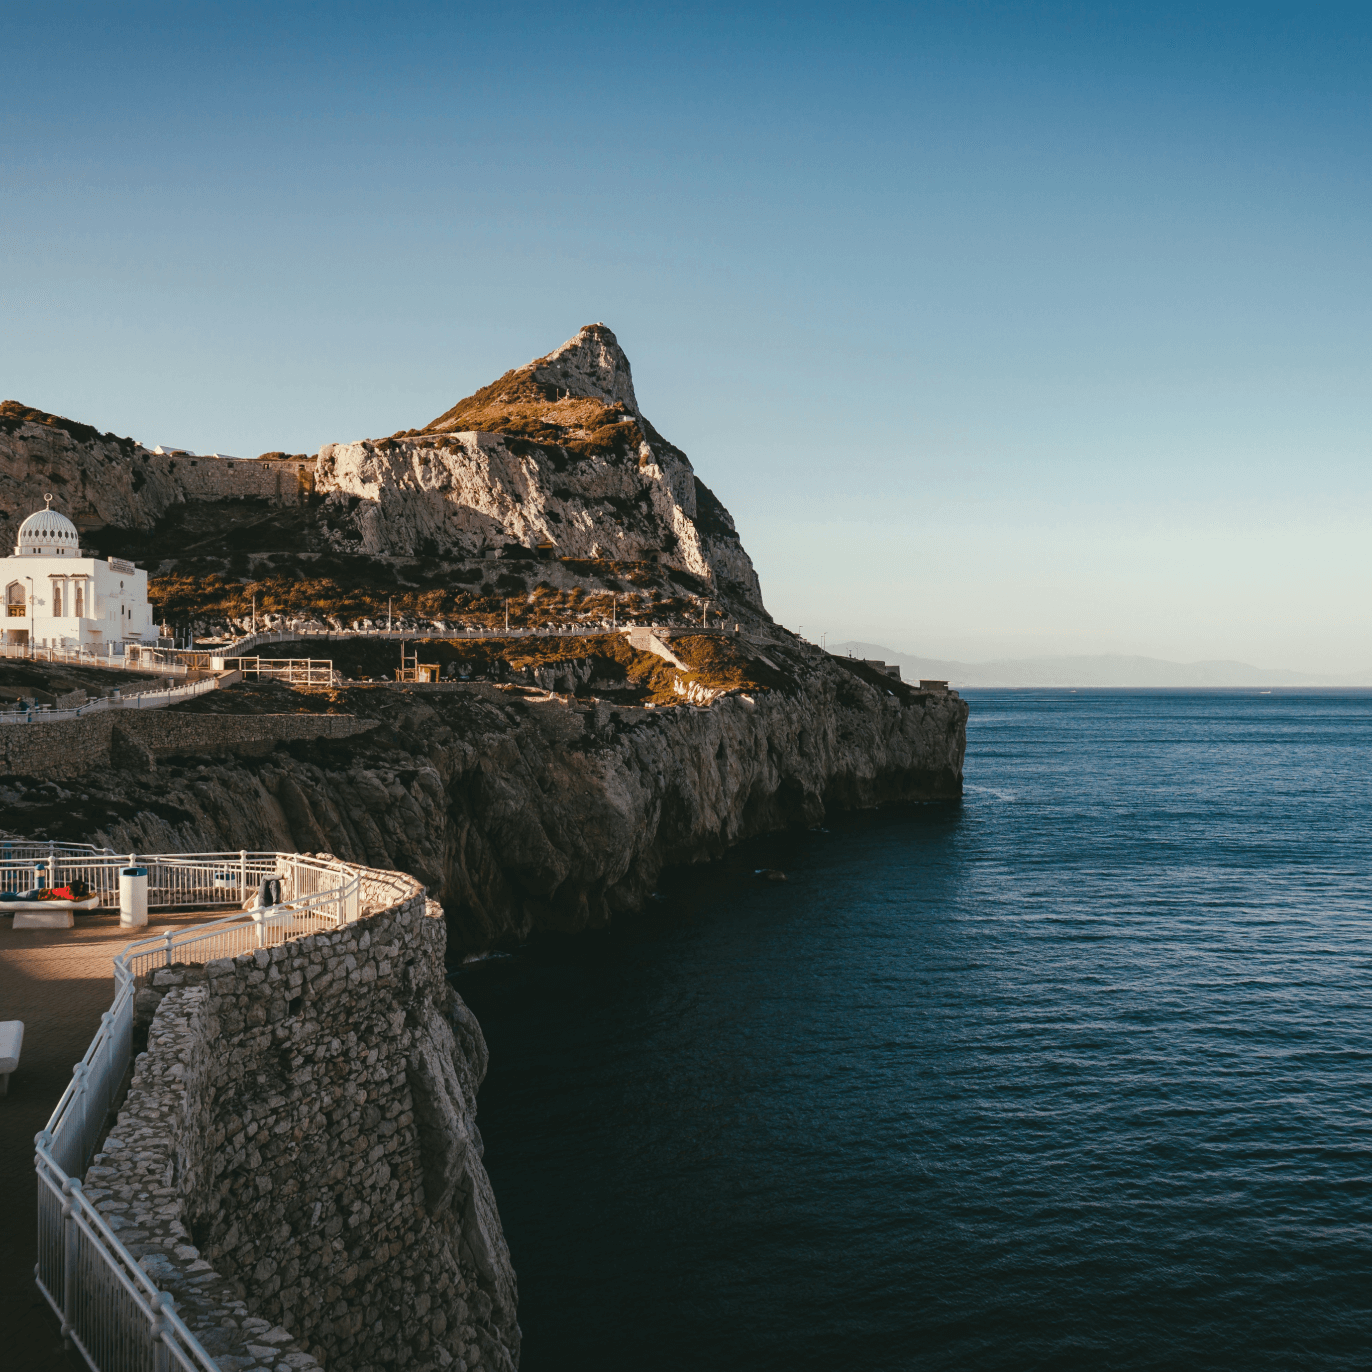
{"points": [[1106, 669]]}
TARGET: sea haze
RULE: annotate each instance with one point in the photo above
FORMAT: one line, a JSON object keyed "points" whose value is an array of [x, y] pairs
{"points": [[1074, 1074], [1094, 670]]}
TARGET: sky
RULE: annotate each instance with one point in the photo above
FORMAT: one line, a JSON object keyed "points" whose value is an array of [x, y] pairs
{"points": [[1001, 329]]}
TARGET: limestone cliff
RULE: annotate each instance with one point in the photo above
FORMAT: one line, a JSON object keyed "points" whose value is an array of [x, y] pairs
{"points": [[555, 453], [554, 460]]}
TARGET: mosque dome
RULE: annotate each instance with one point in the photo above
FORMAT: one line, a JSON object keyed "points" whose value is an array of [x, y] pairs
{"points": [[47, 532]]}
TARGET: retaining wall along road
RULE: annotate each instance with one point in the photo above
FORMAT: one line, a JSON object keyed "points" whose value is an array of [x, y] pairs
{"points": [[297, 1160], [67, 747]]}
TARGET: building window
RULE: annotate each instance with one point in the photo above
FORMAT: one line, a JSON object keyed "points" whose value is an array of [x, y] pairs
{"points": [[15, 606], [57, 599], [80, 601]]}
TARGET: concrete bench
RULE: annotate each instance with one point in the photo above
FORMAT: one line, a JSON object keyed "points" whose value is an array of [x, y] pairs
{"points": [[11, 1041]]}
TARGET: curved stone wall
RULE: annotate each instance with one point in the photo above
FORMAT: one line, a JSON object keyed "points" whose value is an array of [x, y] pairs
{"points": [[297, 1159]]}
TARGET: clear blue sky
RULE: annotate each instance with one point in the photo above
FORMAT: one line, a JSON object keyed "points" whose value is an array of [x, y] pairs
{"points": [[999, 327]]}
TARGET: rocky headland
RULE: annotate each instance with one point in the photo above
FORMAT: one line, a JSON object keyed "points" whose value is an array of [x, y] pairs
{"points": [[543, 783]]}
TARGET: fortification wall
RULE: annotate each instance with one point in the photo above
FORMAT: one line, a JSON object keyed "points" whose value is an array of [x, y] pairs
{"points": [[284, 481], [298, 1162], [130, 737]]}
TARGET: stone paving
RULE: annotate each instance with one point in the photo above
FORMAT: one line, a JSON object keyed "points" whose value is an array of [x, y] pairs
{"points": [[59, 982]]}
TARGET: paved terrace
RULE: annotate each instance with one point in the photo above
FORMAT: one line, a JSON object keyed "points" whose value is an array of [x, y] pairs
{"points": [[59, 982]]}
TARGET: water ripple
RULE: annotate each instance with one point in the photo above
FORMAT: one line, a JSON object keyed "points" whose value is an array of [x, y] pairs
{"points": [[1078, 1081]]}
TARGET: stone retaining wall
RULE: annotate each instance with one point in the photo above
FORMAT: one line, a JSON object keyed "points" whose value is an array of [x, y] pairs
{"points": [[68, 747], [297, 1159]]}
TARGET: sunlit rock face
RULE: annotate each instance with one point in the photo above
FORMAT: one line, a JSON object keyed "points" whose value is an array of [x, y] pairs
{"points": [[554, 454]]}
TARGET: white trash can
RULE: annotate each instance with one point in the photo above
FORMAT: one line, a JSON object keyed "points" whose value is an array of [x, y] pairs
{"points": [[133, 897]]}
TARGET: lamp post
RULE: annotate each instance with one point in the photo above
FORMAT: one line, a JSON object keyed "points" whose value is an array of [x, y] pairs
{"points": [[33, 623]]}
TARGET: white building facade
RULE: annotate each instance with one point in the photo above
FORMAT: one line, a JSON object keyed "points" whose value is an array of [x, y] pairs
{"points": [[56, 598]]}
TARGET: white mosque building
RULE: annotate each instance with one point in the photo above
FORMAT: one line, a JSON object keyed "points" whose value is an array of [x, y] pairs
{"points": [[56, 598]]}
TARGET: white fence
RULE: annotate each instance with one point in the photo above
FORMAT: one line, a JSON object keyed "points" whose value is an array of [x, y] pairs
{"points": [[298, 671], [142, 700], [216, 652], [134, 657], [109, 1307], [175, 880]]}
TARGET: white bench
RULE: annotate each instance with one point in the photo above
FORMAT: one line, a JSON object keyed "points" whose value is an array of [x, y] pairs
{"points": [[11, 1041], [47, 914]]}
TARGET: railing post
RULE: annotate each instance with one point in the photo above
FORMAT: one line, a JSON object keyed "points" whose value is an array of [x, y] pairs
{"points": [[169, 947], [242, 875], [79, 1074], [162, 1336], [70, 1233]]}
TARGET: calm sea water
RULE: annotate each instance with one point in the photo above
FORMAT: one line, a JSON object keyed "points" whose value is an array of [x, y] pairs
{"points": [[1076, 1074]]}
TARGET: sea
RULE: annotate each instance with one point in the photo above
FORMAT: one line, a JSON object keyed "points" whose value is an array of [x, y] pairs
{"points": [[1073, 1073]]}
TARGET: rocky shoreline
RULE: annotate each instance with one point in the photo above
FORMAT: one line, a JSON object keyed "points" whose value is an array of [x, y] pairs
{"points": [[524, 812]]}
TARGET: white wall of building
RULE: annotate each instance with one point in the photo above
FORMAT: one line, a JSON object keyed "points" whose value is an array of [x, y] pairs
{"points": [[70, 602]]}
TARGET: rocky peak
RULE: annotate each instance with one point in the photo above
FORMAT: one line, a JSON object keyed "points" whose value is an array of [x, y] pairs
{"points": [[583, 385], [590, 366]]}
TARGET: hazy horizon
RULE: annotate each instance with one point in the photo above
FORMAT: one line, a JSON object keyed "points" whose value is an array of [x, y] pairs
{"points": [[1097, 670], [1038, 328]]}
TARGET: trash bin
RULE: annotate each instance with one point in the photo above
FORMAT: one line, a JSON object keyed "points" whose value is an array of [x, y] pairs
{"points": [[133, 897]]}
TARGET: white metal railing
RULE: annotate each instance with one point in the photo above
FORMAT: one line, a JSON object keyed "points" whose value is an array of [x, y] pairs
{"points": [[134, 657], [175, 880], [141, 700], [110, 1309], [217, 651], [299, 671]]}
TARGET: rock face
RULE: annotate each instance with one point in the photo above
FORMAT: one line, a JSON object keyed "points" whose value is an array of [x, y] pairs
{"points": [[556, 453], [524, 816], [115, 489]]}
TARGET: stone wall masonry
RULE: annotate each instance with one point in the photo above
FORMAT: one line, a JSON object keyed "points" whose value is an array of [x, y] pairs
{"points": [[133, 737], [283, 482], [298, 1162], [153, 1152]]}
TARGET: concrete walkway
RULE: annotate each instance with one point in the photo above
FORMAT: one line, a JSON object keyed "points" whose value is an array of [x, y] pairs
{"points": [[59, 982]]}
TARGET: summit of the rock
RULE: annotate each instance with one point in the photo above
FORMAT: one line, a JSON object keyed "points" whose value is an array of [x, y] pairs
{"points": [[590, 365], [577, 388]]}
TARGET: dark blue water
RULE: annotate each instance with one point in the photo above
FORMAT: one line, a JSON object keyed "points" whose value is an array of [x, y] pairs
{"points": [[1075, 1074]]}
